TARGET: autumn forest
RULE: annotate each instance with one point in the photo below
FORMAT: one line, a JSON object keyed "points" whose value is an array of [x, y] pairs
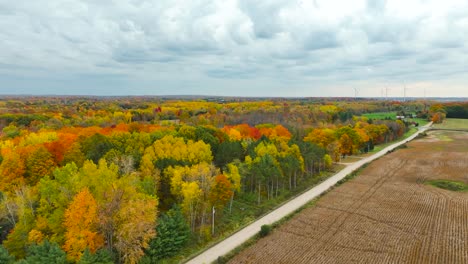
{"points": [[149, 179]]}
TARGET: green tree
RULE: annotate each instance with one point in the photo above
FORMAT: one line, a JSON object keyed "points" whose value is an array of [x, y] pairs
{"points": [[11, 131], [55, 193], [45, 252], [5, 257], [312, 153], [207, 135], [172, 234], [95, 147], [101, 256], [265, 168], [227, 152]]}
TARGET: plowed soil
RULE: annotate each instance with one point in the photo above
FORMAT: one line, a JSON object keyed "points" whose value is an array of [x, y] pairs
{"points": [[385, 215]]}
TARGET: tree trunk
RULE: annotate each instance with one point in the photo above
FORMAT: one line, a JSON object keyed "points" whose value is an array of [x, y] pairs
{"points": [[295, 180], [230, 203], [259, 191], [268, 190], [277, 187]]}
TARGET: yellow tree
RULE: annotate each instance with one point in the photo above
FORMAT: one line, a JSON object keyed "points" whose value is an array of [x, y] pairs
{"points": [[81, 224], [346, 145], [175, 148], [150, 175], [321, 136], [192, 186], [126, 217], [39, 163], [233, 175], [135, 223], [191, 195], [12, 170], [330, 110], [291, 162]]}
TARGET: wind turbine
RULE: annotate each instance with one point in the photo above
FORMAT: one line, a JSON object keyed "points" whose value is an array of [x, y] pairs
{"points": [[356, 92], [404, 91]]}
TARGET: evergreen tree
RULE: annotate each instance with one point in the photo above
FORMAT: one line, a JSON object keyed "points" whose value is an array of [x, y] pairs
{"points": [[95, 147], [5, 257], [172, 234], [45, 252], [101, 256], [227, 152]]}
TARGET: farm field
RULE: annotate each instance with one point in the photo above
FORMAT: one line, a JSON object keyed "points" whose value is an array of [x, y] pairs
{"points": [[387, 214], [392, 116], [453, 123], [381, 115]]}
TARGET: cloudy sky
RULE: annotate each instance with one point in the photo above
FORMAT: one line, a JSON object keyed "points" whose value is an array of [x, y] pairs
{"points": [[234, 47]]}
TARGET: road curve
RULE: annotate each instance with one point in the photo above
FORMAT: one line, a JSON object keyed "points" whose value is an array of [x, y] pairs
{"points": [[237, 239]]}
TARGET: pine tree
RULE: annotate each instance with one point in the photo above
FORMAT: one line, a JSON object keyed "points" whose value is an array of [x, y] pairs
{"points": [[5, 256], [101, 256], [45, 252], [172, 234]]}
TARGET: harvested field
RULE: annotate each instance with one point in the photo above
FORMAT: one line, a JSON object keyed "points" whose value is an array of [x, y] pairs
{"points": [[385, 215], [453, 123]]}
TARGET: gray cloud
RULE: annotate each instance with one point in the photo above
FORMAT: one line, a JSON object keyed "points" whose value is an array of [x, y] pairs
{"points": [[200, 47]]}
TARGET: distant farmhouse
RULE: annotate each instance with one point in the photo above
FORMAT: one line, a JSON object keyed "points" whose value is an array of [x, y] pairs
{"points": [[402, 117]]}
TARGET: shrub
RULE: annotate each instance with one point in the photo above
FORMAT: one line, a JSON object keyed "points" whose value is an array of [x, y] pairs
{"points": [[449, 185], [265, 230]]}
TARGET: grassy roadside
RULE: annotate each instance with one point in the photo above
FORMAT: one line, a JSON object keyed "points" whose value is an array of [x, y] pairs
{"points": [[272, 227]]}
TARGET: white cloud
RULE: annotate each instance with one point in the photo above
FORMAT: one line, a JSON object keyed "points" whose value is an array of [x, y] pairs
{"points": [[231, 47]]}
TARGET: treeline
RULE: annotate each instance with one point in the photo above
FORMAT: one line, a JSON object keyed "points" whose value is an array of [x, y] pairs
{"points": [[358, 138], [38, 113], [456, 110]]}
